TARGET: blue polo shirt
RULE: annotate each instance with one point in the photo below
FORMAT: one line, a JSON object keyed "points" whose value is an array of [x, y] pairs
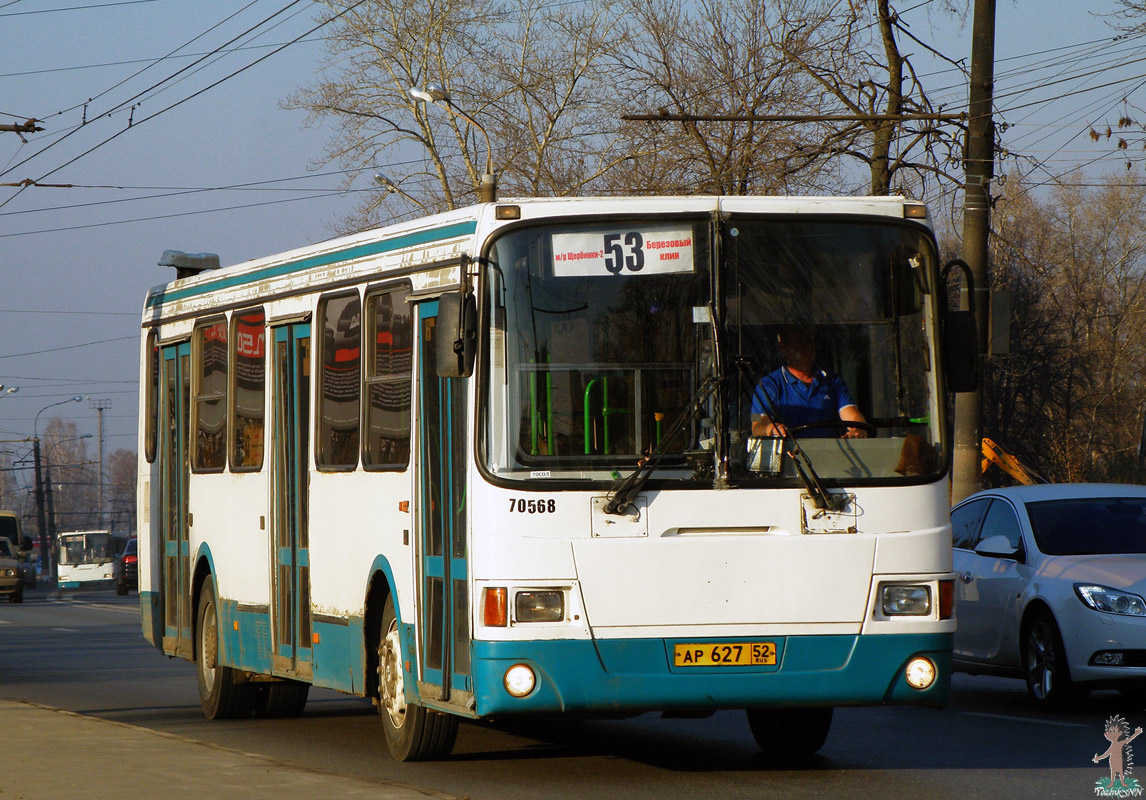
{"points": [[781, 394]]}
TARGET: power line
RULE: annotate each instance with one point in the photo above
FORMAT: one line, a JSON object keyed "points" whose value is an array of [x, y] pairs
{"points": [[68, 347], [140, 94], [172, 215], [74, 8], [195, 94]]}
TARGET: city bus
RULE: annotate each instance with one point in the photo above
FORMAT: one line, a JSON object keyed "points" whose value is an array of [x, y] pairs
{"points": [[498, 462], [84, 559]]}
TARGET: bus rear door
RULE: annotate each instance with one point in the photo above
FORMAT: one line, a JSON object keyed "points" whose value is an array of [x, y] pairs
{"points": [[175, 403], [290, 584]]}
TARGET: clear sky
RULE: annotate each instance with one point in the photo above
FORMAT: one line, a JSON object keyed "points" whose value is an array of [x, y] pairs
{"points": [[76, 263]]}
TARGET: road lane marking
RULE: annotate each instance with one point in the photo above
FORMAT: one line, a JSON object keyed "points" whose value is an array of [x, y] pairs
{"points": [[67, 630], [1025, 719]]}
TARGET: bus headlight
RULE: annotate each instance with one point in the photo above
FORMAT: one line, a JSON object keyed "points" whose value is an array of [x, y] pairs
{"points": [[520, 680], [920, 673], [537, 606], [902, 600]]}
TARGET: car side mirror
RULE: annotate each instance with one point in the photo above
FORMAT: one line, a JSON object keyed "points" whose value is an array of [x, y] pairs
{"points": [[456, 334], [997, 547]]}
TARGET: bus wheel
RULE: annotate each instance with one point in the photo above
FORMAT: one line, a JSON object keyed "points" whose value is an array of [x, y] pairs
{"points": [[282, 700], [790, 732], [220, 693], [413, 733]]}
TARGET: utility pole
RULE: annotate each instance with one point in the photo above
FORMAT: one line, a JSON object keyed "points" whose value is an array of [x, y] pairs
{"points": [[40, 517], [979, 163], [99, 406]]}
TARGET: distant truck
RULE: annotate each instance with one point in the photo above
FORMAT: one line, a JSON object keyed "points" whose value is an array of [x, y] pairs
{"points": [[11, 530]]}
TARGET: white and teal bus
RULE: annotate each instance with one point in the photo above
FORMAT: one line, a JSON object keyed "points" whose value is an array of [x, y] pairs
{"points": [[85, 559], [498, 462]]}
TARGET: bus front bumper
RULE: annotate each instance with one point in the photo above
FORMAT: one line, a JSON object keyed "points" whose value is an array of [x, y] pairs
{"points": [[631, 676]]}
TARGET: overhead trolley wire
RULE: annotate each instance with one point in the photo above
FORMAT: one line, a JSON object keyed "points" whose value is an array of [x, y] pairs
{"points": [[192, 95]]}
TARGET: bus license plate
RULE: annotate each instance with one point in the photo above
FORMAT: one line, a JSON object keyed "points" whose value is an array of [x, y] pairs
{"points": [[719, 654]]}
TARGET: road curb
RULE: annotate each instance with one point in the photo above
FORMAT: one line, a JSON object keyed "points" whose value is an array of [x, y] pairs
{"points": [[67, 755]]}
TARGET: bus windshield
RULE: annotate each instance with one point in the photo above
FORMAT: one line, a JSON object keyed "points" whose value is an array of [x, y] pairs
{"points": [[87, 548], [615, 340]]}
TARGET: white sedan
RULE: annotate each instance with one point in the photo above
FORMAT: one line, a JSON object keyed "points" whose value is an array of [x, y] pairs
{"points": [[1051, 581]]}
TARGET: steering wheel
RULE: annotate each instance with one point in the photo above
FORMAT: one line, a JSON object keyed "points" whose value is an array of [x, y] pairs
{"points": [[841, 424]]}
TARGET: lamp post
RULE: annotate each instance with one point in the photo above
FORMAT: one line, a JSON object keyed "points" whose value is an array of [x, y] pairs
{"points": [[435, 92], [41, 519], [7, 390], [48, 482]]}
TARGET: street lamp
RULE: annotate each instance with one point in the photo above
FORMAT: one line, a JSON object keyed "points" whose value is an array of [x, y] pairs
{"points": [[434, 93], [5, 391], [51, 507], [392, 187], [41, 519]]}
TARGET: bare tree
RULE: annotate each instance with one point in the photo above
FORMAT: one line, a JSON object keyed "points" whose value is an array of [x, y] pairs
{"points": [[717, 59], [120, 486], [1069, 399], [522, 70], [72, 475]]}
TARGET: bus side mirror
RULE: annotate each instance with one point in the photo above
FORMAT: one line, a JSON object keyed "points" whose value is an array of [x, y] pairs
{"points": [[961, 351], [456, 334]]}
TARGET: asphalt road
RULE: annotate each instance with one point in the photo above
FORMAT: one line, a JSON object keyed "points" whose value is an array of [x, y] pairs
{"points": [[84, 652]]}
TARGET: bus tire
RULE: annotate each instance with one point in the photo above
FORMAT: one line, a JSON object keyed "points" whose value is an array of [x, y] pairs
{"points": [[281, 700], [220, 693], [787, 733], [413, 733]]}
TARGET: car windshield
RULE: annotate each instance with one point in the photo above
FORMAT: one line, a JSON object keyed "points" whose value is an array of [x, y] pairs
{"points": [[6, 549], [1089, 526]]}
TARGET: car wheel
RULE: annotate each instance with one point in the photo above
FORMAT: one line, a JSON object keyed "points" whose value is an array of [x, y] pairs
{"points": [[413, 733], [120, 588], [1044, 657], [17, 596], [788, 733]]}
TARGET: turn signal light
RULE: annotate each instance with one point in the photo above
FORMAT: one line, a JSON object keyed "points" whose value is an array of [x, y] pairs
{"points": [[496, 607], [946, 599]]}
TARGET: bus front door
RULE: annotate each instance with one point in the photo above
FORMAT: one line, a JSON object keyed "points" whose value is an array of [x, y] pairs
{"points": [[290, 583], [175, 576], [444, 631]]}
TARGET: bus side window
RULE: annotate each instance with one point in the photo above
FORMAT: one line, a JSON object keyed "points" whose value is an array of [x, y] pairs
{"points": [[389, 370], [248, 351], [152, 389], [209, 453], [339, 381]]}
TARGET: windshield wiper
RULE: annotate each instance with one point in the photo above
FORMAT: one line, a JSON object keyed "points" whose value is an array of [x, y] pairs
{"points": [[821, 497], [627, 489]]}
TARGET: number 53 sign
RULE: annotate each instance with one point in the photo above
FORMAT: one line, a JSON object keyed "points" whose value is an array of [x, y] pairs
{"points": [[632, 251]]}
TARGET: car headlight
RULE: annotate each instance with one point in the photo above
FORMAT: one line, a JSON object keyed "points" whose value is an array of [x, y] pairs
{"points": [[1110, 601]]}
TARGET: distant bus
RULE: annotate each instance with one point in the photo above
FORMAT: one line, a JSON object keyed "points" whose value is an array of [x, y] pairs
{"points": [[85, 558], [499, 462]]}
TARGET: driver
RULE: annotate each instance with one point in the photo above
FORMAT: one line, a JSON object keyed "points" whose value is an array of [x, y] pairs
{"points": [[801, 394]]}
